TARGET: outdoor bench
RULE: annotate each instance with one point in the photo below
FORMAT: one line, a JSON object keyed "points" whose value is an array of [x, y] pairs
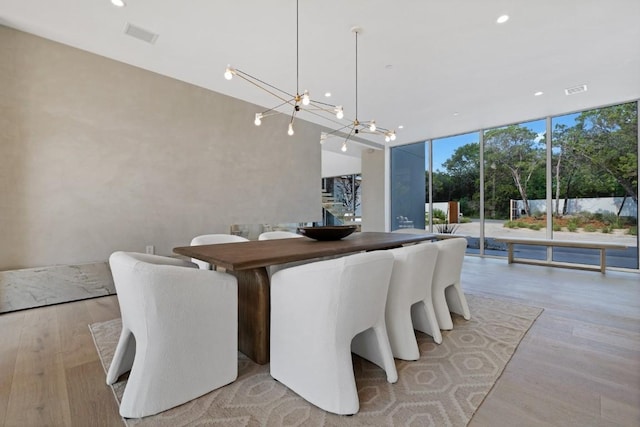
{"points": [[602, 246]]}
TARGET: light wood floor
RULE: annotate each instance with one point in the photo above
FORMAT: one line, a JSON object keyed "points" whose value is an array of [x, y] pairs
{"points": [[579, 365]]}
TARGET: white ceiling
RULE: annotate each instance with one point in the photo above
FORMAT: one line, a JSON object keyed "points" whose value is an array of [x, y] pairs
{"points": [[419, 61]]}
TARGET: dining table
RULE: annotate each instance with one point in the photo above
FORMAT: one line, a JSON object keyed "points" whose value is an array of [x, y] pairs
{"points": [[248, 262]]}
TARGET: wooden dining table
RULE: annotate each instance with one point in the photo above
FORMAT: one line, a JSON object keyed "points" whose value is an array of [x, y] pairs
{"points": [[248, 261]]}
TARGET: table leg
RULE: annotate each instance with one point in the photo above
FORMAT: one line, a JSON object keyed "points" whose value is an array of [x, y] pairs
{"points": [[253, 313], [509, 253], [603, 260]]}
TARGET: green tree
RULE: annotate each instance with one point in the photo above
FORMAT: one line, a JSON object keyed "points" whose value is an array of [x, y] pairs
{"points": [[516, 149], [565, 164], [608, 143], [460, 179], [573, 176], [443, 186], [464, 168]]}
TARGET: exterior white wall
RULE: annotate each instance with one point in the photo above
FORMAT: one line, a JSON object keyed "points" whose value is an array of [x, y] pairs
{"points": [[592, 205], [98, 156], [443, 206]]}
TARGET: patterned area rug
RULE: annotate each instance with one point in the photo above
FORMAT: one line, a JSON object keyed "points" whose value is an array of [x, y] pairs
{"points": [[444, 388], [37, 287]]}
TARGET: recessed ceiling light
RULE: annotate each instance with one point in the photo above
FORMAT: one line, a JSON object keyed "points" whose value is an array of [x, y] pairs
{"points": [[502, 19], [456, 114], [401, 127], [327, 94], [538, 93], [118, 3]]}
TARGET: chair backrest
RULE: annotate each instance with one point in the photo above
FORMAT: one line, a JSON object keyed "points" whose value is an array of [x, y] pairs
{"points": [[413, 269], [134, 275], [213, 239], [450, 259], [349, 292], [272, 235], [363, 288]]}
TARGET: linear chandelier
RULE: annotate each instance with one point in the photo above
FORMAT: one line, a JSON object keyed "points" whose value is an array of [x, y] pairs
{"points": [[357, 127], [297, 102]]}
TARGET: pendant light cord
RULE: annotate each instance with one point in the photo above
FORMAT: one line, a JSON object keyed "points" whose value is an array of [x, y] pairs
{"points": [[356, 75], [297, 51]]}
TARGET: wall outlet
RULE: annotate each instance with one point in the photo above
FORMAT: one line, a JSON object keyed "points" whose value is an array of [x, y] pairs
{"points": [[150, 249]]}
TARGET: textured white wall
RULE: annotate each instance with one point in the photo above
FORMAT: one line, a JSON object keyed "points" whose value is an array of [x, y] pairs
{"points": [[373, 190], [98, 156], [335, 164]]}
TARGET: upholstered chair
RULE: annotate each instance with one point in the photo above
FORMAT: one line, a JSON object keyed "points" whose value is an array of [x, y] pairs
{"points": [[179, 331], [212, 239], [447, 294], [316, 311], [280, 234], [409, 297]]}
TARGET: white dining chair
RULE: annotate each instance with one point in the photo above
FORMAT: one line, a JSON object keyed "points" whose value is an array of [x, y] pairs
{"points": [[212, 239], [317, 311], [447, 294], [179, 332], [280, 234], [409, 303]]}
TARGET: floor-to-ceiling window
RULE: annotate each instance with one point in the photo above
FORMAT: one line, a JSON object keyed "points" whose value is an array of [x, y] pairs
{"points": [[515, 185], [455, 207], [566, 177], [595, 183], [341, 199]]}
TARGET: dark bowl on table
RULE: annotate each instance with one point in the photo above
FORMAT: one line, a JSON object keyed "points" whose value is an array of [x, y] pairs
{"points": [[329, 232]]}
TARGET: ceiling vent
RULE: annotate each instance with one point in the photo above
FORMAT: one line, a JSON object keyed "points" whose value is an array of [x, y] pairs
{"points": [[575, 89], [140, 33]]}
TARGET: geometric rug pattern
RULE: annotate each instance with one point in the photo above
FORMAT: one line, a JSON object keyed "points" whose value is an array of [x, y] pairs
{"points": [[443, 388]]}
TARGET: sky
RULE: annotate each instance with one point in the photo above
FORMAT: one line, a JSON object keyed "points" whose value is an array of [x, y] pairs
{"points": [[443, 148]]}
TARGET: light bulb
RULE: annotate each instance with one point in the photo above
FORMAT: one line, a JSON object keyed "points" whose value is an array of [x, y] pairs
{"points": [[305, 98], [393, 136], [258, 120], [344, 147], [372, 126], [290, 131], [387, 138], [228, 74], [339, 112], [118, 3]]}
